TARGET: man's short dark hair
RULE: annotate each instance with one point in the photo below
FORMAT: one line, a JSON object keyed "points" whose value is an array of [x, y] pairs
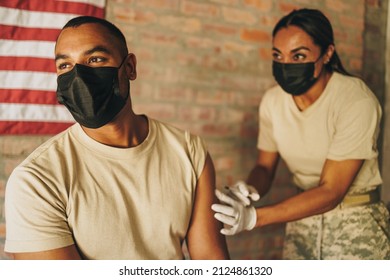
{"points": [[115, 31]]}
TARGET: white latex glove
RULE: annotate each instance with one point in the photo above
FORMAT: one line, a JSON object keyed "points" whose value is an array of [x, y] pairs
{"points": [[235, 216], [243, 192]]}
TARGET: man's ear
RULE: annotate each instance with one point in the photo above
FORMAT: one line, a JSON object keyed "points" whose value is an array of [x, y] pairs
{"points": [[131, 66]]}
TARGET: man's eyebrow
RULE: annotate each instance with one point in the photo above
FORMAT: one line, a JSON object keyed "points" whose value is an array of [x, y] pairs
{"points": [[98, 49], [87, 52], [61, 56]]}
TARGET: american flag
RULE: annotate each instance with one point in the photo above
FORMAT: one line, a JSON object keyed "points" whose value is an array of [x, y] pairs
{"points": [[28, 31]]}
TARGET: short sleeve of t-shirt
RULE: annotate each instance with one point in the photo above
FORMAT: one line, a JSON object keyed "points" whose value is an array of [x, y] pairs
{"points": [[29, 202], [197, 152], [265, 140], [356, 131]]}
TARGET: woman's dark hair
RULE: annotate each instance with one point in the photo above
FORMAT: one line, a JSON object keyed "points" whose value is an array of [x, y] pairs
{"points": [[319, 28]]}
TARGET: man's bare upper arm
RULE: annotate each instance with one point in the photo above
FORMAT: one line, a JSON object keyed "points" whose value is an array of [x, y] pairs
{"points": [[204, 238], [66, 253]]}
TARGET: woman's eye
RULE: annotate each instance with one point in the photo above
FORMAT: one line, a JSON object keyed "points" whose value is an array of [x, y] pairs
{"points": [[299, 57], [276, 56]]}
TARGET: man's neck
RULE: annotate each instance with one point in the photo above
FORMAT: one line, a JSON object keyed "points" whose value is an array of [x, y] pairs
{"points": [[125, 131]]}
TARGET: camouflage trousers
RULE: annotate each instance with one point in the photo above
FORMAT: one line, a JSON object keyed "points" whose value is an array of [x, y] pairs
{"points": [[361, 232]]}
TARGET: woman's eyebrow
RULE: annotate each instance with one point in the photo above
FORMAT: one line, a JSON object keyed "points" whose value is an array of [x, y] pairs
{"points": [[293, 50], [299, 49]]}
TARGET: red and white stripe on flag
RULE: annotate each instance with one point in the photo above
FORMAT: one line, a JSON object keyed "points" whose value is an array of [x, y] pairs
{"points": [[28, 31]]}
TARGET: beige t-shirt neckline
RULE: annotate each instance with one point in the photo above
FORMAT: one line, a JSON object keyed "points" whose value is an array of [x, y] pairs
{"points": [[113, 152]]}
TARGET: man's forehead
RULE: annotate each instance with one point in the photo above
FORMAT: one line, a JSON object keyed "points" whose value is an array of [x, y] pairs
{"points": [[87, 29], [85, 36]]}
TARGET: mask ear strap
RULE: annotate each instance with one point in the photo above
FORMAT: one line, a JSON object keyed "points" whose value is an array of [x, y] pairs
{"points": [[321, 55], [323, 52], [123, 60]]}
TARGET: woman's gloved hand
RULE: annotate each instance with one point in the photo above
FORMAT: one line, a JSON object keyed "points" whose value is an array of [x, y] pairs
{"points": [[243, 192], [234, 214]]}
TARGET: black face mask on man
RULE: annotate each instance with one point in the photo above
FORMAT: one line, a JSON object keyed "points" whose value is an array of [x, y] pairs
{"points": [[91, 94], [295, 78]]}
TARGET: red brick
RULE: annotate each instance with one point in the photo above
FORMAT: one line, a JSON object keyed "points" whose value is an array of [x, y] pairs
{"points": [[286, 8], [255, 35], [174, 93], [227, 2], [143, 91], [208, 44], [261, 5], [220, 29], [356, 65], [374, 3], [219, 130], [343, 6], [241, 83], [340, 35], [20, 145], [349, 50], [158, 38], [176, 23], [268, 21], [2, 188], [235, 15], [128, 2], [214, 98], [197, 113], [224, 163], [199, 9], [241, 49], [158, 4], [133, 16], [352, 22], [249, 131], [10, 165], [157, 111], [231, 115], [2, 230], [144, 54], [265, 53]]}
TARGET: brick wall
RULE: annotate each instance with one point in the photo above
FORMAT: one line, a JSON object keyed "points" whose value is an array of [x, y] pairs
{"points": [[374, 73], [204, 66]]}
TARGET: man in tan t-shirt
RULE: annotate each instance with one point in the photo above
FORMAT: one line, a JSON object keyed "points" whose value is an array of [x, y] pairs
{"points": [[115, 185]]}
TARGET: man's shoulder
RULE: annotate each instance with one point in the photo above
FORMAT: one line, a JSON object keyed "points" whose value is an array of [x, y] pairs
{"points": [[47, 149], [175, 135], [166, 128]]}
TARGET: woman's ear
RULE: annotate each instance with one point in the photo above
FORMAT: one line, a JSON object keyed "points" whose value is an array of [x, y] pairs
{"points": [[329, 53], [131, 66]]}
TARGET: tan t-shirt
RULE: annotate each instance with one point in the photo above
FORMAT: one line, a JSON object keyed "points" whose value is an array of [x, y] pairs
{"points": [[113, 203], [343, 123]]}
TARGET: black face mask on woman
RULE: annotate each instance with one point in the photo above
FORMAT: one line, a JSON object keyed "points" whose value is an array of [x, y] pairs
{"points": [[295, 78], [91, 94]]}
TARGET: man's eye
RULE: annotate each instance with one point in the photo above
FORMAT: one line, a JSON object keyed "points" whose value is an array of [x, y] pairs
{"points": [[96, 60], [62, 66]]}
